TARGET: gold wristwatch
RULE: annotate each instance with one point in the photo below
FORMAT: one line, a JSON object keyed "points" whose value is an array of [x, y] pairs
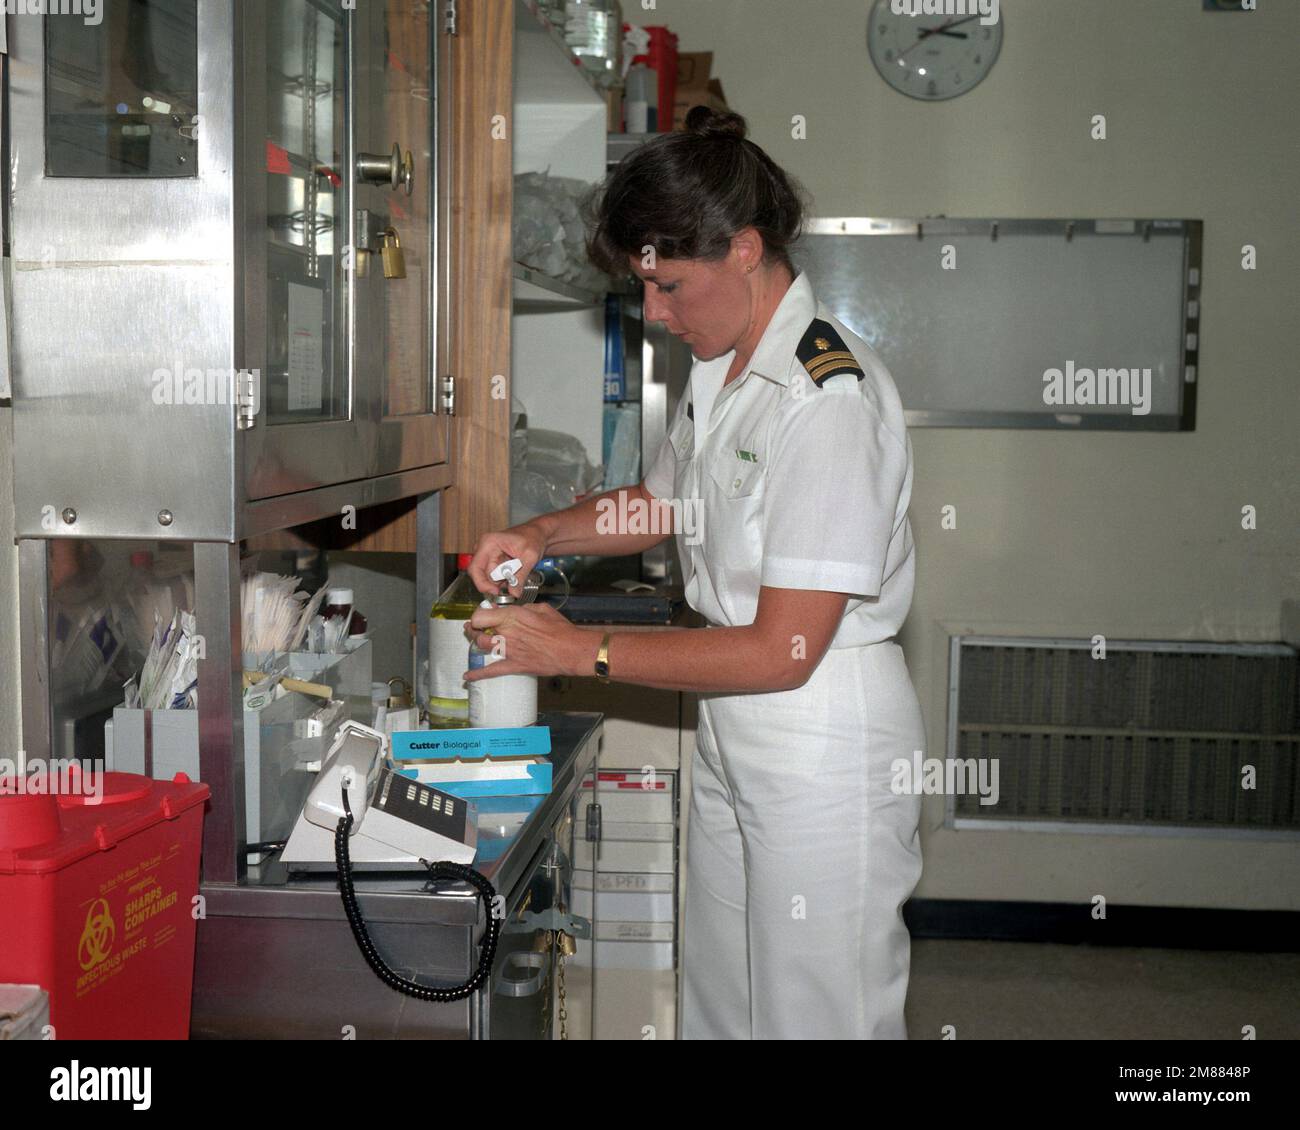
{"points": [[602, 659]]}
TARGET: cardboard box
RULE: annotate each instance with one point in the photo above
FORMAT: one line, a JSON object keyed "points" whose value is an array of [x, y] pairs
{"points": [[694, 87]]}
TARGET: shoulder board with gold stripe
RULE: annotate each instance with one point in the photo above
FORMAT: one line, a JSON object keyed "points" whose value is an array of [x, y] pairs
{"points": [[824, 354]]}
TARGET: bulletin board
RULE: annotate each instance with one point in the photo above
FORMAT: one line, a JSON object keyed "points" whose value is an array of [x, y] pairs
{"points": [[1021, 323]]}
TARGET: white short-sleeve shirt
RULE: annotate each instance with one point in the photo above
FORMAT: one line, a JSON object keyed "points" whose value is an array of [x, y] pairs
{"points": [[781, 482]]}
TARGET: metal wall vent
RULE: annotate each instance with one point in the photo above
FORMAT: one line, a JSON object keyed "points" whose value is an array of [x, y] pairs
{"points": [[1153, 738]]}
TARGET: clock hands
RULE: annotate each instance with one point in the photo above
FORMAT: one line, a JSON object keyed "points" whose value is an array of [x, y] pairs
{"points": [[942, 29]]}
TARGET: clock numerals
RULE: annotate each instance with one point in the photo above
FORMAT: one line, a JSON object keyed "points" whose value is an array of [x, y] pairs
{"points": [[918, 58]]}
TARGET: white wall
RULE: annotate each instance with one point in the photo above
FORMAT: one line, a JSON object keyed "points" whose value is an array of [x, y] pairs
{"points": [[1075, 534]]}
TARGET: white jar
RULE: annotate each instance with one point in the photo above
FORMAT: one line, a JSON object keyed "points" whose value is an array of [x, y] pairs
{"points": [[503, 702]]}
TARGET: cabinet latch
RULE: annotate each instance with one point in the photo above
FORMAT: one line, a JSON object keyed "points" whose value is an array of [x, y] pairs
{"points": [[557, 919]]}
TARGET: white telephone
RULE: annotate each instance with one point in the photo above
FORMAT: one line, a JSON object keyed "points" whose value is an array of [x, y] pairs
{"points": [[360, 811], [395, 820]]}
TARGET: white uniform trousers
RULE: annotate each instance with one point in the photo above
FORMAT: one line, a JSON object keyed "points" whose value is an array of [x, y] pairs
{"points": [[800, 856]]}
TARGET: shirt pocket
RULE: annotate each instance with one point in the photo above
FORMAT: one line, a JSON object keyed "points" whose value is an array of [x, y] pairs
{"points": [[736, 476], [682, 438]]}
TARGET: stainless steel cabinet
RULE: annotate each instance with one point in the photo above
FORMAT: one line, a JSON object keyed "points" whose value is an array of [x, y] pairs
{"points": [[206, 342], [203, 320]]}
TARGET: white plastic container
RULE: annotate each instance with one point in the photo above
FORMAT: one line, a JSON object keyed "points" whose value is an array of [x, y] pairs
{"points": [[507, 700]]}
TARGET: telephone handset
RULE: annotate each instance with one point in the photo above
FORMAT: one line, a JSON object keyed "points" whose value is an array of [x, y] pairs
{"points": [[359, 809]]}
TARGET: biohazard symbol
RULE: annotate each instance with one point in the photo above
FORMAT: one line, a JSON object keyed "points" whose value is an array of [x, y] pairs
{"points": [[97, 935]]}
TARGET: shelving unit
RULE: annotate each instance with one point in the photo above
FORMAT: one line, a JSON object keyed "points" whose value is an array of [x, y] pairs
{"points": [[536, 292], [557, 328]]}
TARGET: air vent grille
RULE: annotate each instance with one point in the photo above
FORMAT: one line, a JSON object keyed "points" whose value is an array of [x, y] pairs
{"points": [[1153, 735]]}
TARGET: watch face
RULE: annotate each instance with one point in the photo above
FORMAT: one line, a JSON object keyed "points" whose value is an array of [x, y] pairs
{"points": [[932, 57]]}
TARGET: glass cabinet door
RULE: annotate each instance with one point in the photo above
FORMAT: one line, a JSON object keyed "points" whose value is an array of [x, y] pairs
{"points": [[310, 427], [396, 295], [306, 215], [339, 278]]}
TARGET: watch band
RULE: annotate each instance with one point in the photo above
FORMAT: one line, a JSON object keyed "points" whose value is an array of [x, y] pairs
{"points": [[602, 659]]}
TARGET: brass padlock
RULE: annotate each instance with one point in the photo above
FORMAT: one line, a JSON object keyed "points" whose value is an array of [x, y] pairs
{"points": [[390, 250], [568, 944], [543, 940], [402, 699]]}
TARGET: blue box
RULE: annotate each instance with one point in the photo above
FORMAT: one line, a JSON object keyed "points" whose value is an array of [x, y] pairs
{"points": [[470, 744], [426, 756]]}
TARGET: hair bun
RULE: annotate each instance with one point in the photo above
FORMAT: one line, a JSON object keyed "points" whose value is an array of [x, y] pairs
{"points": [[708, 122]]}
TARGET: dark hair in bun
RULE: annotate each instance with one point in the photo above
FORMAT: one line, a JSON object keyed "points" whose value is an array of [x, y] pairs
{"points": [[687, 193], [715, 123]]}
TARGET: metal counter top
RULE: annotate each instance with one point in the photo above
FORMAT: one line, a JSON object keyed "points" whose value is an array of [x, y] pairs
{"points": [[507, 848]]}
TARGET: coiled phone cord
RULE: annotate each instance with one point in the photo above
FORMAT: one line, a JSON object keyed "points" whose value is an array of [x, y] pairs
{"points": [[382, 970]]}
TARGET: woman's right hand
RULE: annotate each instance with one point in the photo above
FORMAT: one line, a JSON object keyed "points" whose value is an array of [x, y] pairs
{"points": [[526, 542]]}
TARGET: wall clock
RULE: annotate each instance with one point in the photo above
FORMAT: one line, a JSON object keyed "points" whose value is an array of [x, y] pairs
{"points": [[932, 57]]}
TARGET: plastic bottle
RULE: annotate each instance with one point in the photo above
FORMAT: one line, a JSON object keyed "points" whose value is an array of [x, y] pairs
{"points": [[640, 100], [593, 29], [507, 700], [337, 613], [448, 697], [358, 632]]}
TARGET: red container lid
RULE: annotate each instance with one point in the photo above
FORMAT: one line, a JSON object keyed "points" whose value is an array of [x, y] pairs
{"points": [[27, 820], [463, 560], [126, 804], [105, 788]]}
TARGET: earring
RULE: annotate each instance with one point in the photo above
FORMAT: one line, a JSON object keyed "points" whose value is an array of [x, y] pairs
{"points": [[749, 269]]}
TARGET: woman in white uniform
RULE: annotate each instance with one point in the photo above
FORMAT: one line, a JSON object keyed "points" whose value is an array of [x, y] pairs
{"points": [[786, 474]]}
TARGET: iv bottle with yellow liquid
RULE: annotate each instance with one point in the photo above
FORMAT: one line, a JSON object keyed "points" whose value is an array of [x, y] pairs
{"points": [[448, 695]]}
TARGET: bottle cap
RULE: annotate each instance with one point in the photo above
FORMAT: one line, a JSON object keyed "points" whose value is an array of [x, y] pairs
{"points": [[463, 560], [507, 569], [338, 596]]}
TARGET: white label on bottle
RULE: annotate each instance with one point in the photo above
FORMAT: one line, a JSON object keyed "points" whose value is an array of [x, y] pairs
{"points": [[448, 649]]}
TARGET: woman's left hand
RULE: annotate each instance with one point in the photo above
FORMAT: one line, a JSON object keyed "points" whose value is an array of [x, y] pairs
{"points": [[535, 640]]}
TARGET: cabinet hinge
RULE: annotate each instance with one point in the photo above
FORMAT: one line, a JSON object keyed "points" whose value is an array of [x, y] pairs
{"points": [[593, 823], [449, 395], [246, 399], [449, 14]]}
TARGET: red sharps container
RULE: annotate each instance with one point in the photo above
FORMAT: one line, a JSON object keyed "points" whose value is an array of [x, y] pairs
{"points": [[97, 902]]}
